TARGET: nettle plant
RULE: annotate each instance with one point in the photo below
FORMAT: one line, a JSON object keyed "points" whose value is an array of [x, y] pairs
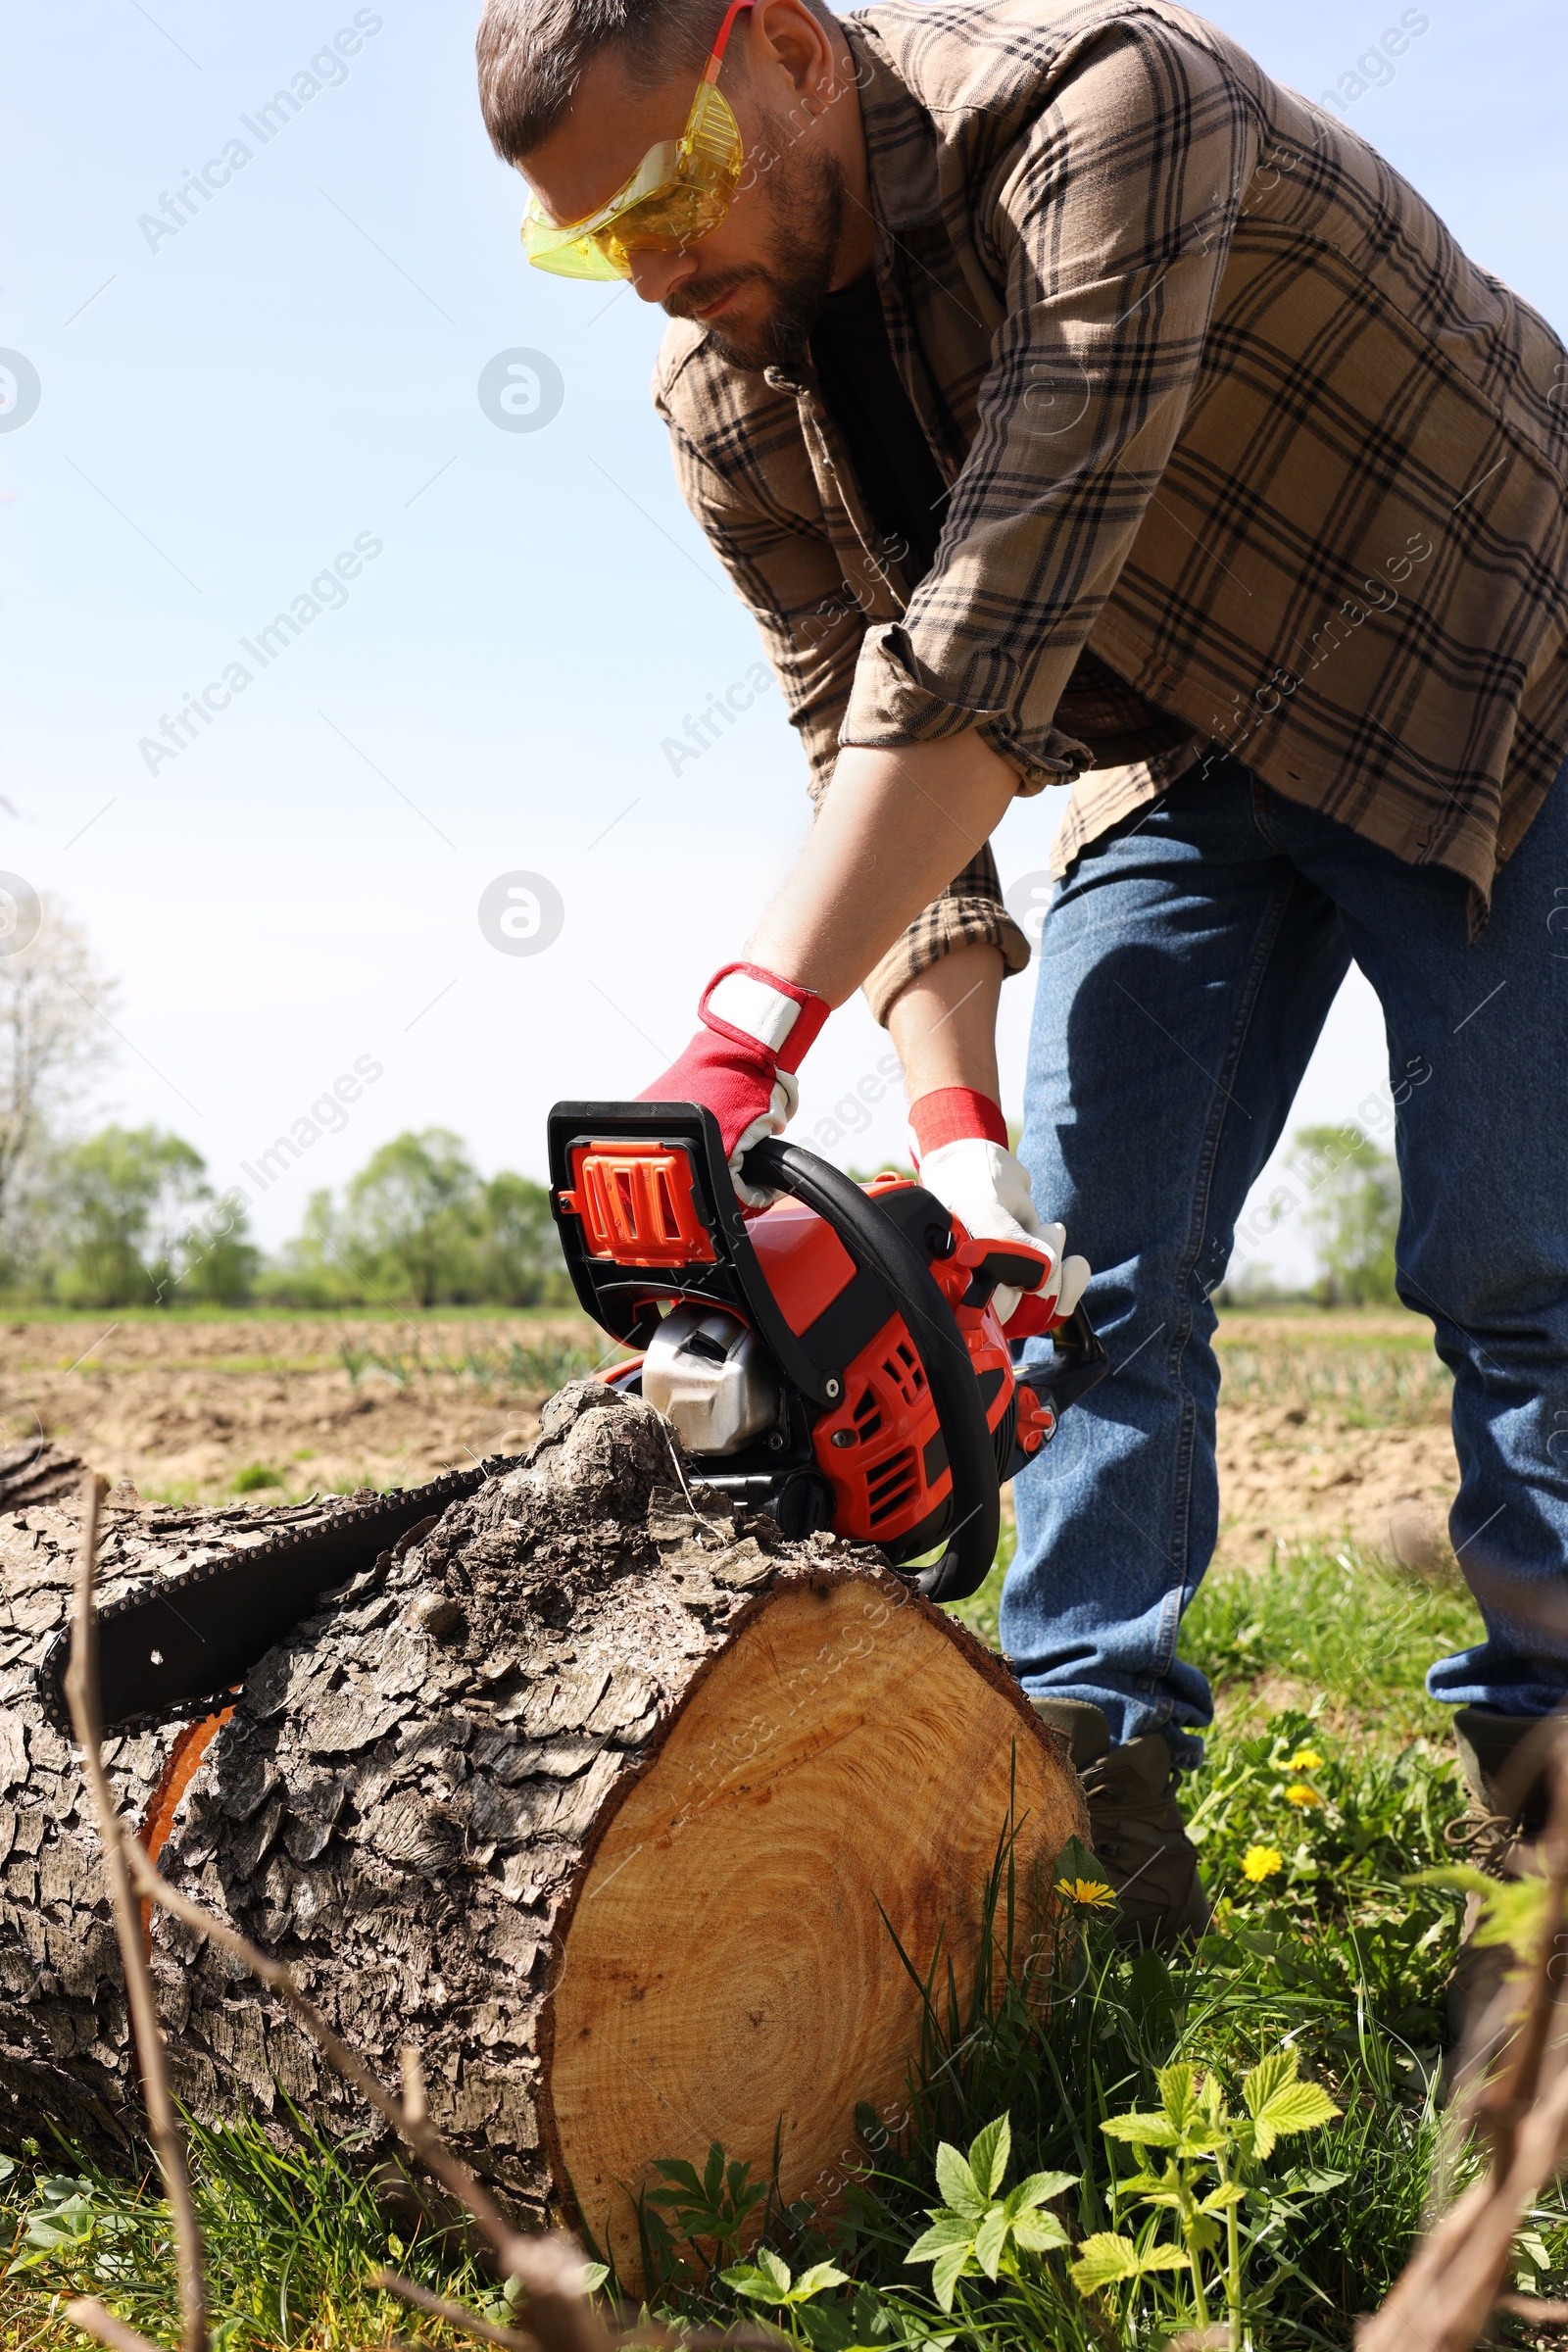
{"points": [[1201, 2165], [978, 2231]]}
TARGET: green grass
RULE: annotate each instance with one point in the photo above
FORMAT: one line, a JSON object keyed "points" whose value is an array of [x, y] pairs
{"points": [[532, 1368], [1344, 1626], [1327, 1625], [291, 2236], [1338, 1790], [1372, 1380], [254, 1476]]}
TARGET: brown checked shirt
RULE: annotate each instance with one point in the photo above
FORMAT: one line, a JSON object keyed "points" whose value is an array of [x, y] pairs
{"points": [[1228, 420]]}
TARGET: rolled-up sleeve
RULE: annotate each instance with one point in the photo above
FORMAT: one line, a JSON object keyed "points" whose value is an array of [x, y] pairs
{"points": [[969, 913], [1107, 223]]}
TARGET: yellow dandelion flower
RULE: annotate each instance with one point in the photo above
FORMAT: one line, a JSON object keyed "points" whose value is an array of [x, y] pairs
{"points": [[1300, 1794], [1306, 1759], [1261, 1862], [1090, 1895]]}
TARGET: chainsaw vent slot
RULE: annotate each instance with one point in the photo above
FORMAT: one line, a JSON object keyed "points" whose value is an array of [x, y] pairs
{"points": [[891, 1485], [906, 1373], [867, 1418]]}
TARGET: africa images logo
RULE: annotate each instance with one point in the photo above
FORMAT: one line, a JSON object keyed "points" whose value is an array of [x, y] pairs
{"points": [[521, 390], [19, 390], [521, 914]]}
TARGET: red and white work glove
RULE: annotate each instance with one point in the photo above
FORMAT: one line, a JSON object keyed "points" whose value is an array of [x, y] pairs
{"points": [[742, 1063], [959, 1141]]}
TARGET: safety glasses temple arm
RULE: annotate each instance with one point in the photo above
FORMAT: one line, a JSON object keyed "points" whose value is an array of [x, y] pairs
{"points": [[717, 57]]}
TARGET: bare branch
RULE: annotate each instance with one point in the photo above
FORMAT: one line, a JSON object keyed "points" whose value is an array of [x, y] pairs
{"points": [[1451, 2286], [1502, 2104], [94, 2319], [415, 2106], [456, 2315], [550, 2266], [81, 1695]]}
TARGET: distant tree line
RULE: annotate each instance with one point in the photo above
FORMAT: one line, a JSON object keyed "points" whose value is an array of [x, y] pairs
{"points": [[1347, 1191], [128, 1218]]}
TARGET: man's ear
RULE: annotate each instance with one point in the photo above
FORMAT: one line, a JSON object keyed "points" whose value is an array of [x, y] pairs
{"points": [[786, 38]]}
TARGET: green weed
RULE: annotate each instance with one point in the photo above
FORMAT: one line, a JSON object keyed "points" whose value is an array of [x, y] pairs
{"points": [[521, 1368], [254, 1476]]}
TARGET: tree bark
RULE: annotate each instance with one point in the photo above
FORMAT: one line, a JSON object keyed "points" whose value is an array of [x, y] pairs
{"points": [[592, 1795], [64, 2050]]}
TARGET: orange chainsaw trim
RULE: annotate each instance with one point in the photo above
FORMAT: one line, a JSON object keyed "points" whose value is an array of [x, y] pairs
{"points": [[181, 1767], [880, 1450], [636, 1205]]}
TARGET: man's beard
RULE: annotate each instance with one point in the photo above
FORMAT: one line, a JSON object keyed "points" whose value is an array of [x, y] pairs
{"points": [[808, 191]]}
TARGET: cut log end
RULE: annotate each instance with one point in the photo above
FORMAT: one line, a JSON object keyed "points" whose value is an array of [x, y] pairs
{"points": [[834, 1792]]}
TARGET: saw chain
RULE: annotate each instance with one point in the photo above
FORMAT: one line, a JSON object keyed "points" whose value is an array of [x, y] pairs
{"points": [[177, 1647]]}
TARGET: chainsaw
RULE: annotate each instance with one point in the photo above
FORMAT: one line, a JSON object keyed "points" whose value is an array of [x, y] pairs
{"points": [[835, 1362]]}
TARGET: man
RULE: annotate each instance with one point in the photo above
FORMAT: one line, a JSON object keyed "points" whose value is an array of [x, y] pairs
{"points": [[1066, 399]]}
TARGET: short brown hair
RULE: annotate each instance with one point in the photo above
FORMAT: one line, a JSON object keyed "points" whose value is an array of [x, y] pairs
{"points": [[532, 55]]}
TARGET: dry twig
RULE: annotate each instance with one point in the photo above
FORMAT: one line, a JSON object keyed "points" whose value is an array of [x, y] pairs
{"points": [[1453, 2283], [456, 2315], [81, 1695], [95, 2318]]}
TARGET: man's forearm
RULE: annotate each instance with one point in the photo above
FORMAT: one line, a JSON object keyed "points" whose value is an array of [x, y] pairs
{"points": [[894, 829], [944, 1023]]}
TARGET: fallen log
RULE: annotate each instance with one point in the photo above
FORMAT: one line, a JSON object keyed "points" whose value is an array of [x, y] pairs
{"points": [[64, 2051], [607, 1800]]}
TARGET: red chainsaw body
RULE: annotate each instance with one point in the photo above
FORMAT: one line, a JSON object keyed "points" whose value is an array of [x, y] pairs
{"points": [[879, 1447]]}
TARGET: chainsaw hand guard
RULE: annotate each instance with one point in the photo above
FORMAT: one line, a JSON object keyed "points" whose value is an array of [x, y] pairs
{"points": [[898, 1411]]}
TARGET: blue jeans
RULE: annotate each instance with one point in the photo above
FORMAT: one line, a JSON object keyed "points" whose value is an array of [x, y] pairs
{"points": [[1187, 967]]}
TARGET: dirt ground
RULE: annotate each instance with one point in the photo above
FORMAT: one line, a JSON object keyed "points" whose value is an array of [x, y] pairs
{"points": [[194, 1410], [1331, 1426], [1334, 1425]]}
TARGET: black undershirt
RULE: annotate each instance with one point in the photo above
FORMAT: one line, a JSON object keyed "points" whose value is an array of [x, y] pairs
{"points": [[899, 479], [901, 484]]}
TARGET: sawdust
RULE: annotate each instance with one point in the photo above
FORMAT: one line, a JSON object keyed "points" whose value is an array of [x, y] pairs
{"points": [[1334, 1428]]}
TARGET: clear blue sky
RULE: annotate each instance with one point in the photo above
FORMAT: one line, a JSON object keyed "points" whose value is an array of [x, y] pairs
{"points": [[225, 410]]}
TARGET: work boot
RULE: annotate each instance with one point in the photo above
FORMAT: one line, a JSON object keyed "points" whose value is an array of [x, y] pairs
{"points": [[1503, 1760], [1135, 1823]]}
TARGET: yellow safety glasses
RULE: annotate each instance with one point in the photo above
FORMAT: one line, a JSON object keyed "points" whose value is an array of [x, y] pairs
{"points": [[680, 191]]}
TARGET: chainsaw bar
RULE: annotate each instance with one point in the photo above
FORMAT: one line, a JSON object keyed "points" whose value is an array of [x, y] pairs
{"points": [[178, 1648]]}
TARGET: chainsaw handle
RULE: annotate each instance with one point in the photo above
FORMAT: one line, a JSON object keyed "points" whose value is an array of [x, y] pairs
{"points": [[875, 1243]]}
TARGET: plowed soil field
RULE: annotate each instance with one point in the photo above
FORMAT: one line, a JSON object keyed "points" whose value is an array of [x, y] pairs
{"points": [[1333, 1426]]}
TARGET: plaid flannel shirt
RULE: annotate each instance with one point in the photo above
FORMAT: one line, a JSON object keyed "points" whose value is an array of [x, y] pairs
{"points": [[1218, 399]]}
